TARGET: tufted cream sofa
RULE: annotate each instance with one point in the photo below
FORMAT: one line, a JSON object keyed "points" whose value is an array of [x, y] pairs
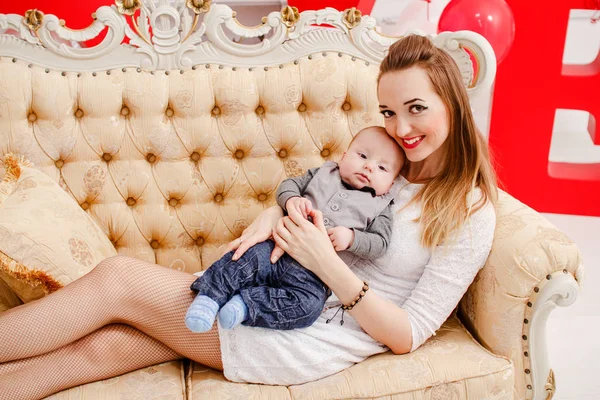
{"points": [[173, 148]]}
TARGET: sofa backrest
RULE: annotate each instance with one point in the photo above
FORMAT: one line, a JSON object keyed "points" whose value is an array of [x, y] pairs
{"points": [[174, 142]]}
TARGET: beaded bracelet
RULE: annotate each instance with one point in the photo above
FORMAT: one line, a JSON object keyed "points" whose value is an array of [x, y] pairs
{"points": [[358, 298], [345, 308]]}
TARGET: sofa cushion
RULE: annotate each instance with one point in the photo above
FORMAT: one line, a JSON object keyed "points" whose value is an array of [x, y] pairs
{"points": [[163, 381], [175, 166], [46, 239], [449, 366]]}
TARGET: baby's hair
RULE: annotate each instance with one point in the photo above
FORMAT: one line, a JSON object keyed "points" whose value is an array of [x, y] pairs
{"points": [[381, 128]]}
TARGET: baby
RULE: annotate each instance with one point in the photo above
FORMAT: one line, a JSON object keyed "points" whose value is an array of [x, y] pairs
{"points": [[355, 197]]}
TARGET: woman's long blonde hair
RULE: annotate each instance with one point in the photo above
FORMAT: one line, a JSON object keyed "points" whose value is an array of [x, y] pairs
{"points": [[446, 206]]}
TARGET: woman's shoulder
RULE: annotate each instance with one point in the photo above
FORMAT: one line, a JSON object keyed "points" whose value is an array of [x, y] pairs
{"points": [[482, 210]]}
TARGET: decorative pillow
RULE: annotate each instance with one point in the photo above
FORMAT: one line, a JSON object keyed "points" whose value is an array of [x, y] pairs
{"points": [[46, 239], [8, 299]]}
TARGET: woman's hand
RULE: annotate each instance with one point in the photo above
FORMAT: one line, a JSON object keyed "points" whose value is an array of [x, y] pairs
{"points": [[259, 230], [307, 242]]}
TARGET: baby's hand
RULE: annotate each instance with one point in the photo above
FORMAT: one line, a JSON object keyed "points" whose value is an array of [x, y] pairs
{"points": [[341, 237], [300, 204]]}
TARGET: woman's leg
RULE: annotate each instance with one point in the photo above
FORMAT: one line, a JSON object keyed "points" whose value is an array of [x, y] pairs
{"points": [[113, 350], [120, 289]]}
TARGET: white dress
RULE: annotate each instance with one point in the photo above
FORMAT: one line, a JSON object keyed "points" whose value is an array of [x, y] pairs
{"points": [[427, 286]]}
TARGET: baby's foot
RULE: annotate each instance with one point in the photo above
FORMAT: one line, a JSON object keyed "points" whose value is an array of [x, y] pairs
{"points": [[201, 314], [233, 313]]}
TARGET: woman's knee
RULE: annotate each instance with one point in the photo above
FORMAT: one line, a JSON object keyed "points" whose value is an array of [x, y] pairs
{"points": [[112, 266], [110, 273], [113, 343]]}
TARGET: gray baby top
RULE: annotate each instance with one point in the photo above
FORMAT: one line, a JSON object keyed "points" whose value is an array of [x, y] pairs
{"points": [[368, 215]]}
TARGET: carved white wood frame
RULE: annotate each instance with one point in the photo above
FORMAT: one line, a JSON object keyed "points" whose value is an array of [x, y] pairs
{"points": [[176, 42], [561, 290]]}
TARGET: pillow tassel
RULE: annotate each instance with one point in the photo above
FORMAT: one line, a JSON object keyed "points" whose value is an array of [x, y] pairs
{"points": [[12, 164]]}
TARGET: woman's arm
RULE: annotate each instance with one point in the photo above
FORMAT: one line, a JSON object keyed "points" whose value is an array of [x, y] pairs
{"points": [[381, 319], [310, 245], [447, 276]]}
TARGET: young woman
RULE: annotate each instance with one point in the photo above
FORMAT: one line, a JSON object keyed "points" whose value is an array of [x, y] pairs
{"points": [[127, 314]]}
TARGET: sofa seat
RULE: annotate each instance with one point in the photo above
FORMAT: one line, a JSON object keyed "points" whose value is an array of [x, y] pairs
{"points": [[159, 382], [449, 366]]}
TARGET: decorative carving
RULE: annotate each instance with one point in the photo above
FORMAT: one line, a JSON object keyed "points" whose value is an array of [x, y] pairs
{"points": [[177, 34], [550, 386], [33, 19], [128, 7], [352, 17], [289, 16], [198, 6]]}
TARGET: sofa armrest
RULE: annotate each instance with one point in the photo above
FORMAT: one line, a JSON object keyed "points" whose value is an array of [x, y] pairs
{"points": [[532, 267]]}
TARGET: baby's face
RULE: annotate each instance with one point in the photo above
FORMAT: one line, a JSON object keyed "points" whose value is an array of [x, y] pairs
{"points": [[373, 159]]}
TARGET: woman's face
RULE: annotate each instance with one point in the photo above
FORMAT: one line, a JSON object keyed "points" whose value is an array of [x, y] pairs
{"points": [[415, 115]]}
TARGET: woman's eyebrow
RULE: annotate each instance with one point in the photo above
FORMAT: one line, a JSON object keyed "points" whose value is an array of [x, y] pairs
{"points": [[413, 100], [382, 106]]}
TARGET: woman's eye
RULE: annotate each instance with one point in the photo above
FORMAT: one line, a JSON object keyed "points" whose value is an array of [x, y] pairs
{"points": [[387, 113], [361, 155], [417, 108]]}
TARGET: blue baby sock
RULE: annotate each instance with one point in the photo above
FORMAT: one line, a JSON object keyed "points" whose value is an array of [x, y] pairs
{"points": [[201, 314], [233, 313]]}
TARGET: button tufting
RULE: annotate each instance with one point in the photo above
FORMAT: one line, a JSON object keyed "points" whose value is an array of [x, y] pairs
{"points": [[218, 197], [173, 202], [151, 158], [169, 112], [154, 244], [59, 163], [262, 197], [85, 205], [32, 117], [239, 154], [302, 107], [325, 152], [195, 156], [107, 157], [216, 111], [260, 110], [131, 201], [282, 153], [124, 111], [200, 241], [346, 106], [79, 113]]}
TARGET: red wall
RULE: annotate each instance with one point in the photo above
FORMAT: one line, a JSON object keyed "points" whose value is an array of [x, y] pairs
{"points": [[77, 14], [530, 86]]}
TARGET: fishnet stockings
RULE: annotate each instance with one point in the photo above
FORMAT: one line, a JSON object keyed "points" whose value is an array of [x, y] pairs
{"points": [[124, 315]]}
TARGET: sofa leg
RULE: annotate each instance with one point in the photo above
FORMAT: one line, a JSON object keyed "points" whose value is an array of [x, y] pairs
{"points": [[550, 386], [559, 288]]}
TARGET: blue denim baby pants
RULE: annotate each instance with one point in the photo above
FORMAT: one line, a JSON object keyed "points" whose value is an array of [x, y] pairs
{"points": [[284, 295]]}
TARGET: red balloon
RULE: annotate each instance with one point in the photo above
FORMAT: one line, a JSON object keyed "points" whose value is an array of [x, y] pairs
{"points": [[493, 19]]}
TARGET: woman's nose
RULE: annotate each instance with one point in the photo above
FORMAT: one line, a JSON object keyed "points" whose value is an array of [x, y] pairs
{"points": [[403, 128]]}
